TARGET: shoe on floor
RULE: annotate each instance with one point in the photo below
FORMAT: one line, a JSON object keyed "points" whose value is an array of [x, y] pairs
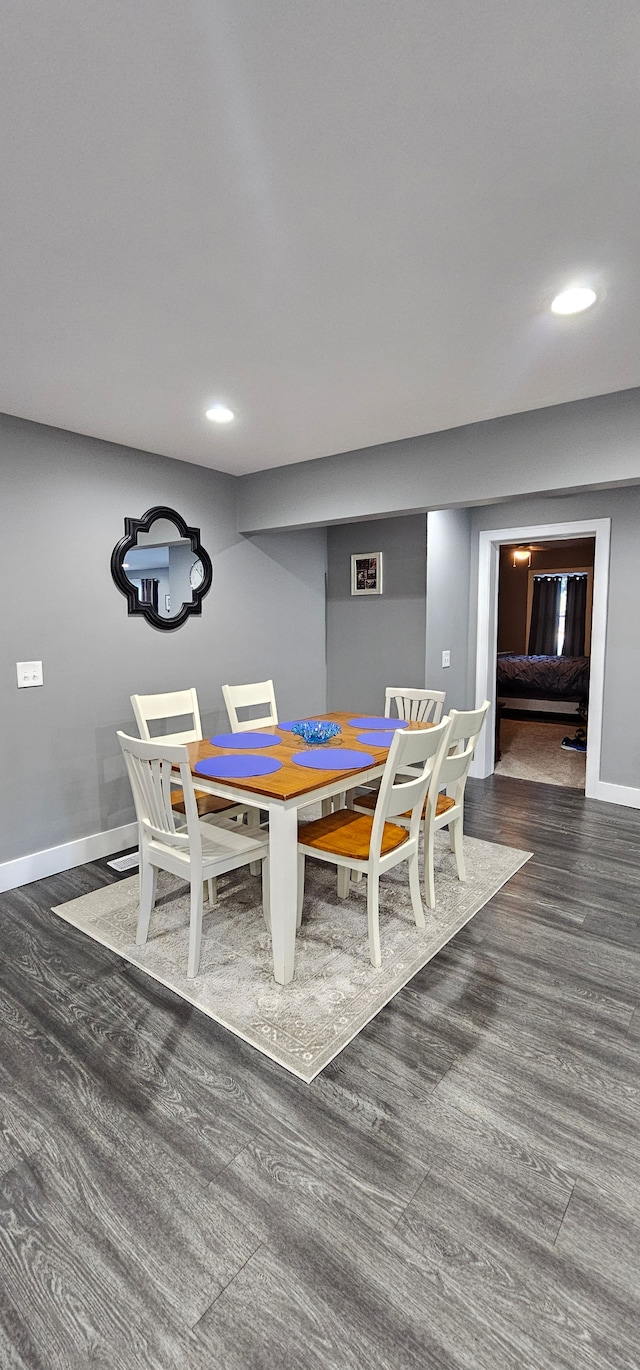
{"points": [[573, 744]]}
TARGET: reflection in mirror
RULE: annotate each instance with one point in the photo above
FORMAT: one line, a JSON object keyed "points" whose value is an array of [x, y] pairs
{"points": [[163, 574], [162, 568]]}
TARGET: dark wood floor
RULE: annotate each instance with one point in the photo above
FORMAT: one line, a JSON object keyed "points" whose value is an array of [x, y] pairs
{"points": [[458, 1189]]}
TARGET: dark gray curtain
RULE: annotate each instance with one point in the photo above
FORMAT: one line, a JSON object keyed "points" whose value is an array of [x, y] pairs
{"points": [[545, 611], [575, 622]]}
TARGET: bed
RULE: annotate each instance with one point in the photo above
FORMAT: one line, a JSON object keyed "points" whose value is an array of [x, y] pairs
{"points": [[550, 678], [543, 677]]}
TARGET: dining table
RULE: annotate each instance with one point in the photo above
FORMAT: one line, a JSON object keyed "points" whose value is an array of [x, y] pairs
{"points": [[294, 784]]}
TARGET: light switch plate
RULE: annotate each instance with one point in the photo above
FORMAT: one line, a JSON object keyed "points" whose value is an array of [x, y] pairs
{"points": [[29, 673], [446, 658]]}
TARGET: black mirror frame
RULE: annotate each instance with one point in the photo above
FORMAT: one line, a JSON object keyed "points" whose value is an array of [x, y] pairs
{"points": [[119, 554]]}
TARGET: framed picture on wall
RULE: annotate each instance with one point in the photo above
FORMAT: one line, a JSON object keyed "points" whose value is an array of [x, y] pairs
{"points": [[366, 573]]}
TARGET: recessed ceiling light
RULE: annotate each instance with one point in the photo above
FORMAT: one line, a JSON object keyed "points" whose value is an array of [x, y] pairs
{"points": [[573, 301], [218, 413]]}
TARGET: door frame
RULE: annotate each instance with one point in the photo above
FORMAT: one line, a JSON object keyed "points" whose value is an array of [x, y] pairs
{"points": [[490, 542]]}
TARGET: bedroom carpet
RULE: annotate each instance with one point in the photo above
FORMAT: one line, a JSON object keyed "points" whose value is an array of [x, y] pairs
{"points": [[532, 751], [336, 990]]}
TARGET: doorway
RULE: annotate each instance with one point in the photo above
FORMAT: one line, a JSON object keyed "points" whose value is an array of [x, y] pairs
{"points": [[545, 595], [596, 531]]}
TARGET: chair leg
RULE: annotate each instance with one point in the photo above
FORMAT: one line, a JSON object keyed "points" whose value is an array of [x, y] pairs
{"points": [[210, 890], [326, 807], [457, 848], [195, 929], [429, 881], [414, 886], [266, 894], [301, 865], [374, 920], [148, 879], [343, 882]]}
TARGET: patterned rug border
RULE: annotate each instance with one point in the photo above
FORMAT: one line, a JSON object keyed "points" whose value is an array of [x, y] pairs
{"points": [[340, 1040]]}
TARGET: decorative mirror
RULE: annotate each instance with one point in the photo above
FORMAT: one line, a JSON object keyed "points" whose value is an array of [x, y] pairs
{"points": [[162, 568]]}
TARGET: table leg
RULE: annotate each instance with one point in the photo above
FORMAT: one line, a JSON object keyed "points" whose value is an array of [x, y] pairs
{"points": [[283, 884]]}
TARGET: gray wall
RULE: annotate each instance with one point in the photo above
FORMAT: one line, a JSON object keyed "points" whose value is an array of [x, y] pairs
{"points": [[448, 572], [592, 446], [181, 560], [594, 442], [375, 640], [64, 499], [620, 763]]}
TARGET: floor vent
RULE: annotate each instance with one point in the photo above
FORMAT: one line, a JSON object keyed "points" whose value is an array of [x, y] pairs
{"points": [[125, 863]]}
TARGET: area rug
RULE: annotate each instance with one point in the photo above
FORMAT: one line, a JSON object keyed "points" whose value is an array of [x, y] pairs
{"points": [[336, 990]]}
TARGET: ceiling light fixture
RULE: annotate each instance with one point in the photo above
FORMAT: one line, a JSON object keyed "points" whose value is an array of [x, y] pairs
{"points": [[573, 301], [218, 413], [521, 556]]}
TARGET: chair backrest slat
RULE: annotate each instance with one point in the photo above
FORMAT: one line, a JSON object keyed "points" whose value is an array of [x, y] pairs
{"points": [[250, 697], [397, 795], [418, 706], [177, 704]]}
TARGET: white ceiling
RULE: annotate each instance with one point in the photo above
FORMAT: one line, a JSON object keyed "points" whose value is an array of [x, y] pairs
{"points": [[341, 217]]}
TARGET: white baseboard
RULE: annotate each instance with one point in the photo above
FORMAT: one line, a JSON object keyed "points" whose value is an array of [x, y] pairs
{"points": [[617, 794], [42, 863]]}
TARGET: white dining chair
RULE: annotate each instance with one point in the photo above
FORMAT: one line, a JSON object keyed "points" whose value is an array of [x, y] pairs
{"points": [[446, 810], [260, 695], [417, 706], [180, 704], [189, 848], [183, 704], [373, 843], [414, 705]]}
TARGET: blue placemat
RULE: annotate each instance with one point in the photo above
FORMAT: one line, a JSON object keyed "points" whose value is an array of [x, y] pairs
{"points": [[376, 739], [236, 767], [238, 741], [333, 759], [286, 727], [387, 725]]}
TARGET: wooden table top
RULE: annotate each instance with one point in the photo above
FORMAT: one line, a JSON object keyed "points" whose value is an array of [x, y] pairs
{"points": [[293, 781]]}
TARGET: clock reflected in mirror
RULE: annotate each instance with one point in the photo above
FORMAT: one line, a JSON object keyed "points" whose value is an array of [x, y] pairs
{"points": [[196, 574]]}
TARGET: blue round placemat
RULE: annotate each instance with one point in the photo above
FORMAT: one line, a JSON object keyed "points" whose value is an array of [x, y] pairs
{"points": [[386, 725], [376, 739], [333, 759], [236, 767], [286, 727], [239, 741]]}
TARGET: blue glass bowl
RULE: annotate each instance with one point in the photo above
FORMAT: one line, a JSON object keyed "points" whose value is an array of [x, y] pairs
{"points": [[316, 730]]}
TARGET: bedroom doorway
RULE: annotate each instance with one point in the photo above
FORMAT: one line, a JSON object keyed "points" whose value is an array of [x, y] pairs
{"points": [[545, 596], [597, 533]]}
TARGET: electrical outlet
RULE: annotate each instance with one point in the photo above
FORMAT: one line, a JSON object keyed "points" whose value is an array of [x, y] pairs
{"points": [[446, 659], [29, 673]]}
